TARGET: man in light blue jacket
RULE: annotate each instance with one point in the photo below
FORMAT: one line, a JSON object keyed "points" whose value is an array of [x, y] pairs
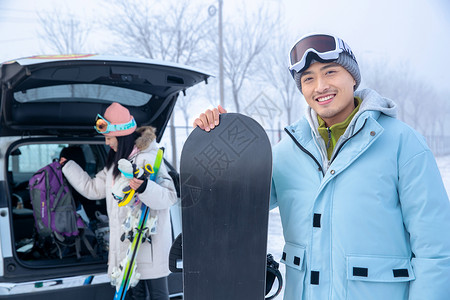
{"points": [[364, 211]]}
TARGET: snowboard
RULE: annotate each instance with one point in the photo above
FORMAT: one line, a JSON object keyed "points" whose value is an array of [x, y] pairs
{"points": [[225, 190]]}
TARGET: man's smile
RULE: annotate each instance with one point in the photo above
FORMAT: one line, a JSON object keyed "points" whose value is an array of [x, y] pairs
{"points": [[325, 99]]}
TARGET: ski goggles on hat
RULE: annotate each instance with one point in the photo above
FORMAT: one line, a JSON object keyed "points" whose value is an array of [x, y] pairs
{"points": [[326, 47], [103, 126]]}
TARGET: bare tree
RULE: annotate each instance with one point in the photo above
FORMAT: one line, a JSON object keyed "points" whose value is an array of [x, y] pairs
{"points": [[172, 31], [400, 84], [419, 104], [275, 73], [166, 30], [63, 32], [244, 40]]}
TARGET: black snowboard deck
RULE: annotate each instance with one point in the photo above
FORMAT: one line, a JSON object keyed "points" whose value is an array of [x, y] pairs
{"points": [[225, 190]]}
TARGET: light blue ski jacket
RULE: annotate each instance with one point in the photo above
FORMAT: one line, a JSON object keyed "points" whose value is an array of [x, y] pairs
{"points": [[374, 222]]}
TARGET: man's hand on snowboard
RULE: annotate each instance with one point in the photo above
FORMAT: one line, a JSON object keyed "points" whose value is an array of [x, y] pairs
{"points": [[209, 119]]}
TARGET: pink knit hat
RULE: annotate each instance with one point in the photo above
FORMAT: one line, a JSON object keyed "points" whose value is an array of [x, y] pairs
{"points": [[116, 114]]}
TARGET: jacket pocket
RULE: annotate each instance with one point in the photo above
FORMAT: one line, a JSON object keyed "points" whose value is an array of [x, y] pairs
{"points": [[293, 257], [145, 254], [378, 277]]}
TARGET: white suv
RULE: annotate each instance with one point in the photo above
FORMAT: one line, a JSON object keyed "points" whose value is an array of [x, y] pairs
{"points": [[49, 103]]}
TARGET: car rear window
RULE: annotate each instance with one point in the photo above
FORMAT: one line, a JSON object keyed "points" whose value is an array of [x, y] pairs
{"points": [[83, 93], [33, 157]]}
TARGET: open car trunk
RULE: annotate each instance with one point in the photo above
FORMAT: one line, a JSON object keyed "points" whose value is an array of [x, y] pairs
{"points": [[51, 102]]}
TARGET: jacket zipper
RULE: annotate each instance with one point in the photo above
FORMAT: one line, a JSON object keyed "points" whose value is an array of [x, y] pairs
{"points": [[335, 154], [329, 137], [304, 150]]}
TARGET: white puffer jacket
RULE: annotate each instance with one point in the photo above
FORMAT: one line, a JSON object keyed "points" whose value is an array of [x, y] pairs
{"points": [[153, 259]]}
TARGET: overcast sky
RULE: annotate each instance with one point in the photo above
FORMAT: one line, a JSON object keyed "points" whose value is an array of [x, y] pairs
{"points": [[415, 31]]}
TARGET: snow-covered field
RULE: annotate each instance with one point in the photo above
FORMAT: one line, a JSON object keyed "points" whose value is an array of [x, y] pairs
{"points": [[276, 240], [444, 166]]}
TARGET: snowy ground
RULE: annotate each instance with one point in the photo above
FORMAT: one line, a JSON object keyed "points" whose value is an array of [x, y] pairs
{"points": [[276, 240], [444, 167], [276, 243]]}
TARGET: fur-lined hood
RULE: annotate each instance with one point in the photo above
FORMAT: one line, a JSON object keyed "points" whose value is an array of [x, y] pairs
{"points": [[148, 135]]}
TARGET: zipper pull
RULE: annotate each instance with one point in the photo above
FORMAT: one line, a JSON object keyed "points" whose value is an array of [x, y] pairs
{"points": [[329, 137]]}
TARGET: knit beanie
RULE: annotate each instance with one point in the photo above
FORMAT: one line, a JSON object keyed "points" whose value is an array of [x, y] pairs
{"points": [[117, 114], [345, 60]]}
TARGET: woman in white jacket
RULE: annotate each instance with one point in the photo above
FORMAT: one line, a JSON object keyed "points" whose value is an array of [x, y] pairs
{"points": [[137, 145]]}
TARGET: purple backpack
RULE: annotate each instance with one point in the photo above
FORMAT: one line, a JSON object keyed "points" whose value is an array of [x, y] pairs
{"points": [[53, 205], [54, 210]]}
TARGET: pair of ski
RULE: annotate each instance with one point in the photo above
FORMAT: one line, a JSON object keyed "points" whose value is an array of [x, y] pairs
{"points": [[128, 269]]}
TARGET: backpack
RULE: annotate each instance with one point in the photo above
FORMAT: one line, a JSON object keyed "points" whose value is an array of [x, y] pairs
{"points": [[59, 228]]}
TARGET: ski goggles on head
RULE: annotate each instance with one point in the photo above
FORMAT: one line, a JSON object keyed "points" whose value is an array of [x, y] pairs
{"points": [[103, 126], [325, 47]]}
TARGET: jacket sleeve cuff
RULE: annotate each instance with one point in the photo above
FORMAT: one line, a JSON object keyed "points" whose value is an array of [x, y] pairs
{"points": [[143, 186]]}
